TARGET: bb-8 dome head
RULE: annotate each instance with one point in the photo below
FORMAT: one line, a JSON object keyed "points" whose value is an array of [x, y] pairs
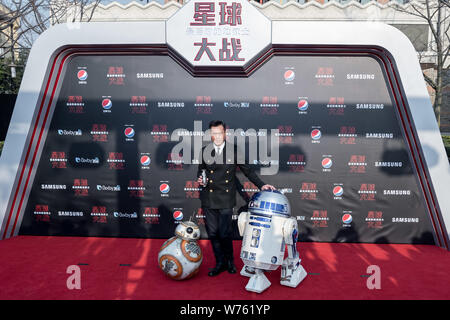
{"points": [[187, 230]]}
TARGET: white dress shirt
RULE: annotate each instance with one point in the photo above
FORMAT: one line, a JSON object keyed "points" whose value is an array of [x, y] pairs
{"points": [[219, 149]]}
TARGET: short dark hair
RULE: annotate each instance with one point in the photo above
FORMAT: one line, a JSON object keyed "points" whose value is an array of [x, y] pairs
{"points": [[216, 123]]}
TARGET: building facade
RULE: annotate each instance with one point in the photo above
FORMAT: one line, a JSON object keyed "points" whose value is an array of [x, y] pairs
{"points": [[9, 26]]}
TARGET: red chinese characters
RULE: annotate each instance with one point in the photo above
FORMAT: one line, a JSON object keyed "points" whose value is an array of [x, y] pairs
{"points": [[229, 15], [320, 218]]}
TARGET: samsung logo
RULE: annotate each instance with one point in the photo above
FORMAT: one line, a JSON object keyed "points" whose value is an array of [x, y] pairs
{"points": [[385, 164], [353, 76], [397, 192], [70, 213], [379, 135], [53, 186], [406, 220], [150, 75]]}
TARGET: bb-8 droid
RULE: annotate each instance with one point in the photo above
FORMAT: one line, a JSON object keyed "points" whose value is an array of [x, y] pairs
{"points": [[180, 256]]}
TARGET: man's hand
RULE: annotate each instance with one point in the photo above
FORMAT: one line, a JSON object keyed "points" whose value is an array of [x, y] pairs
{"points": [[267, 187], [200, 181]]}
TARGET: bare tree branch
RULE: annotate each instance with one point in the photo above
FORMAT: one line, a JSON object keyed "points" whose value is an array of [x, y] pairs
{"points": [[436, 14], [32, 17], [429, 81]]}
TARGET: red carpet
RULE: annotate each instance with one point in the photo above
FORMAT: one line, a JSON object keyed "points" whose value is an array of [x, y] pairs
{"points": [[113, 268]]}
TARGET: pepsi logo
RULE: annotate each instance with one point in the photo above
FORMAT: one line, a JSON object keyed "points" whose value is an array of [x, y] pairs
{"points": [[327, 163], [347, 218], [106, 104], [129, 132], [338, 191], [82, 75], [178, 215], [145, 160], [164, 188], [316, 134], [289, 75], [303, 105]]}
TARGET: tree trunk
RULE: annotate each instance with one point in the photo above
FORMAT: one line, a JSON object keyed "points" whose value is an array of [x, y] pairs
{"points": [[438, 96]]}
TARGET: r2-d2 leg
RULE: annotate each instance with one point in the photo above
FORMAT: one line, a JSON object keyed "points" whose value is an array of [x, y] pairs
{"points": [[292, 272], [247, 271], [258, 282]]}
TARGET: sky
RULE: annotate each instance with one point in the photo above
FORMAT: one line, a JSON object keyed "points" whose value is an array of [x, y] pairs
{"points": [[128, 1]]}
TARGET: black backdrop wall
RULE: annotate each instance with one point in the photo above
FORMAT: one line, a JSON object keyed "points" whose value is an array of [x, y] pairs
{"points": [[106, 167], [7, 102]]}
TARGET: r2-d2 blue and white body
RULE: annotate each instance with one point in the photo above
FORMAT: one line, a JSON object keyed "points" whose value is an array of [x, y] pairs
{"points": [[266, 229]]}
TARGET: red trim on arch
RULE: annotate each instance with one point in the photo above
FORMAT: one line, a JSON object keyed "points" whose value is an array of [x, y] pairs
{"points": [[411, 149], [29, 147], [39, 141], [423, 168]]}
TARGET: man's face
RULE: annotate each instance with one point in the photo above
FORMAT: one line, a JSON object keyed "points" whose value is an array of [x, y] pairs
{"points": [[218, 135]]}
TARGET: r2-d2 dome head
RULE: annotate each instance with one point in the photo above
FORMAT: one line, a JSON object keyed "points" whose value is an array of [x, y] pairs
{"points": [[188, 230], [270, 202]]}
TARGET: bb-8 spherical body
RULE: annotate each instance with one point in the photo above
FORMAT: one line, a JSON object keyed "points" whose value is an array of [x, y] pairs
{"points": [[180, 256]]}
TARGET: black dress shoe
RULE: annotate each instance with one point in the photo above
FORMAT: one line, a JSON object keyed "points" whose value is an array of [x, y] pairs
{"points": [[231, 267], [219, 268]]}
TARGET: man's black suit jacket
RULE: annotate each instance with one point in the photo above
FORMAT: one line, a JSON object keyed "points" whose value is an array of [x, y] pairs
{"points": [[220, 192]]}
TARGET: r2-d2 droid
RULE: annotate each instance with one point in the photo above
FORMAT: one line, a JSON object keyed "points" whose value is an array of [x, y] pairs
{"points": [[266, 229]]}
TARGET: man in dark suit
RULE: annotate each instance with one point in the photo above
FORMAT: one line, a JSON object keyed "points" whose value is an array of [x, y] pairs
{"points": [[218, 196]]}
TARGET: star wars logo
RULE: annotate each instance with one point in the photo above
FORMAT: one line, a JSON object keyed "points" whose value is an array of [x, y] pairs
{"points": [[151, 215], [296, 163], [75, 104], [136, 188], [99, 214], [248, 186], [375, 219], [325, 76], [192, 189], [200, 216], [357, 163], [159, 133], [203, 105], [204, 16], [138, 105], [320, 219], [115, 76], [116, 161], [99, 132], [347, 135], [269, 105], [269, 102], [285, 134], [81, 187], [58, 160], [309, 191], [336, 106], [174, 162], [367, 192], [42, 213]]}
